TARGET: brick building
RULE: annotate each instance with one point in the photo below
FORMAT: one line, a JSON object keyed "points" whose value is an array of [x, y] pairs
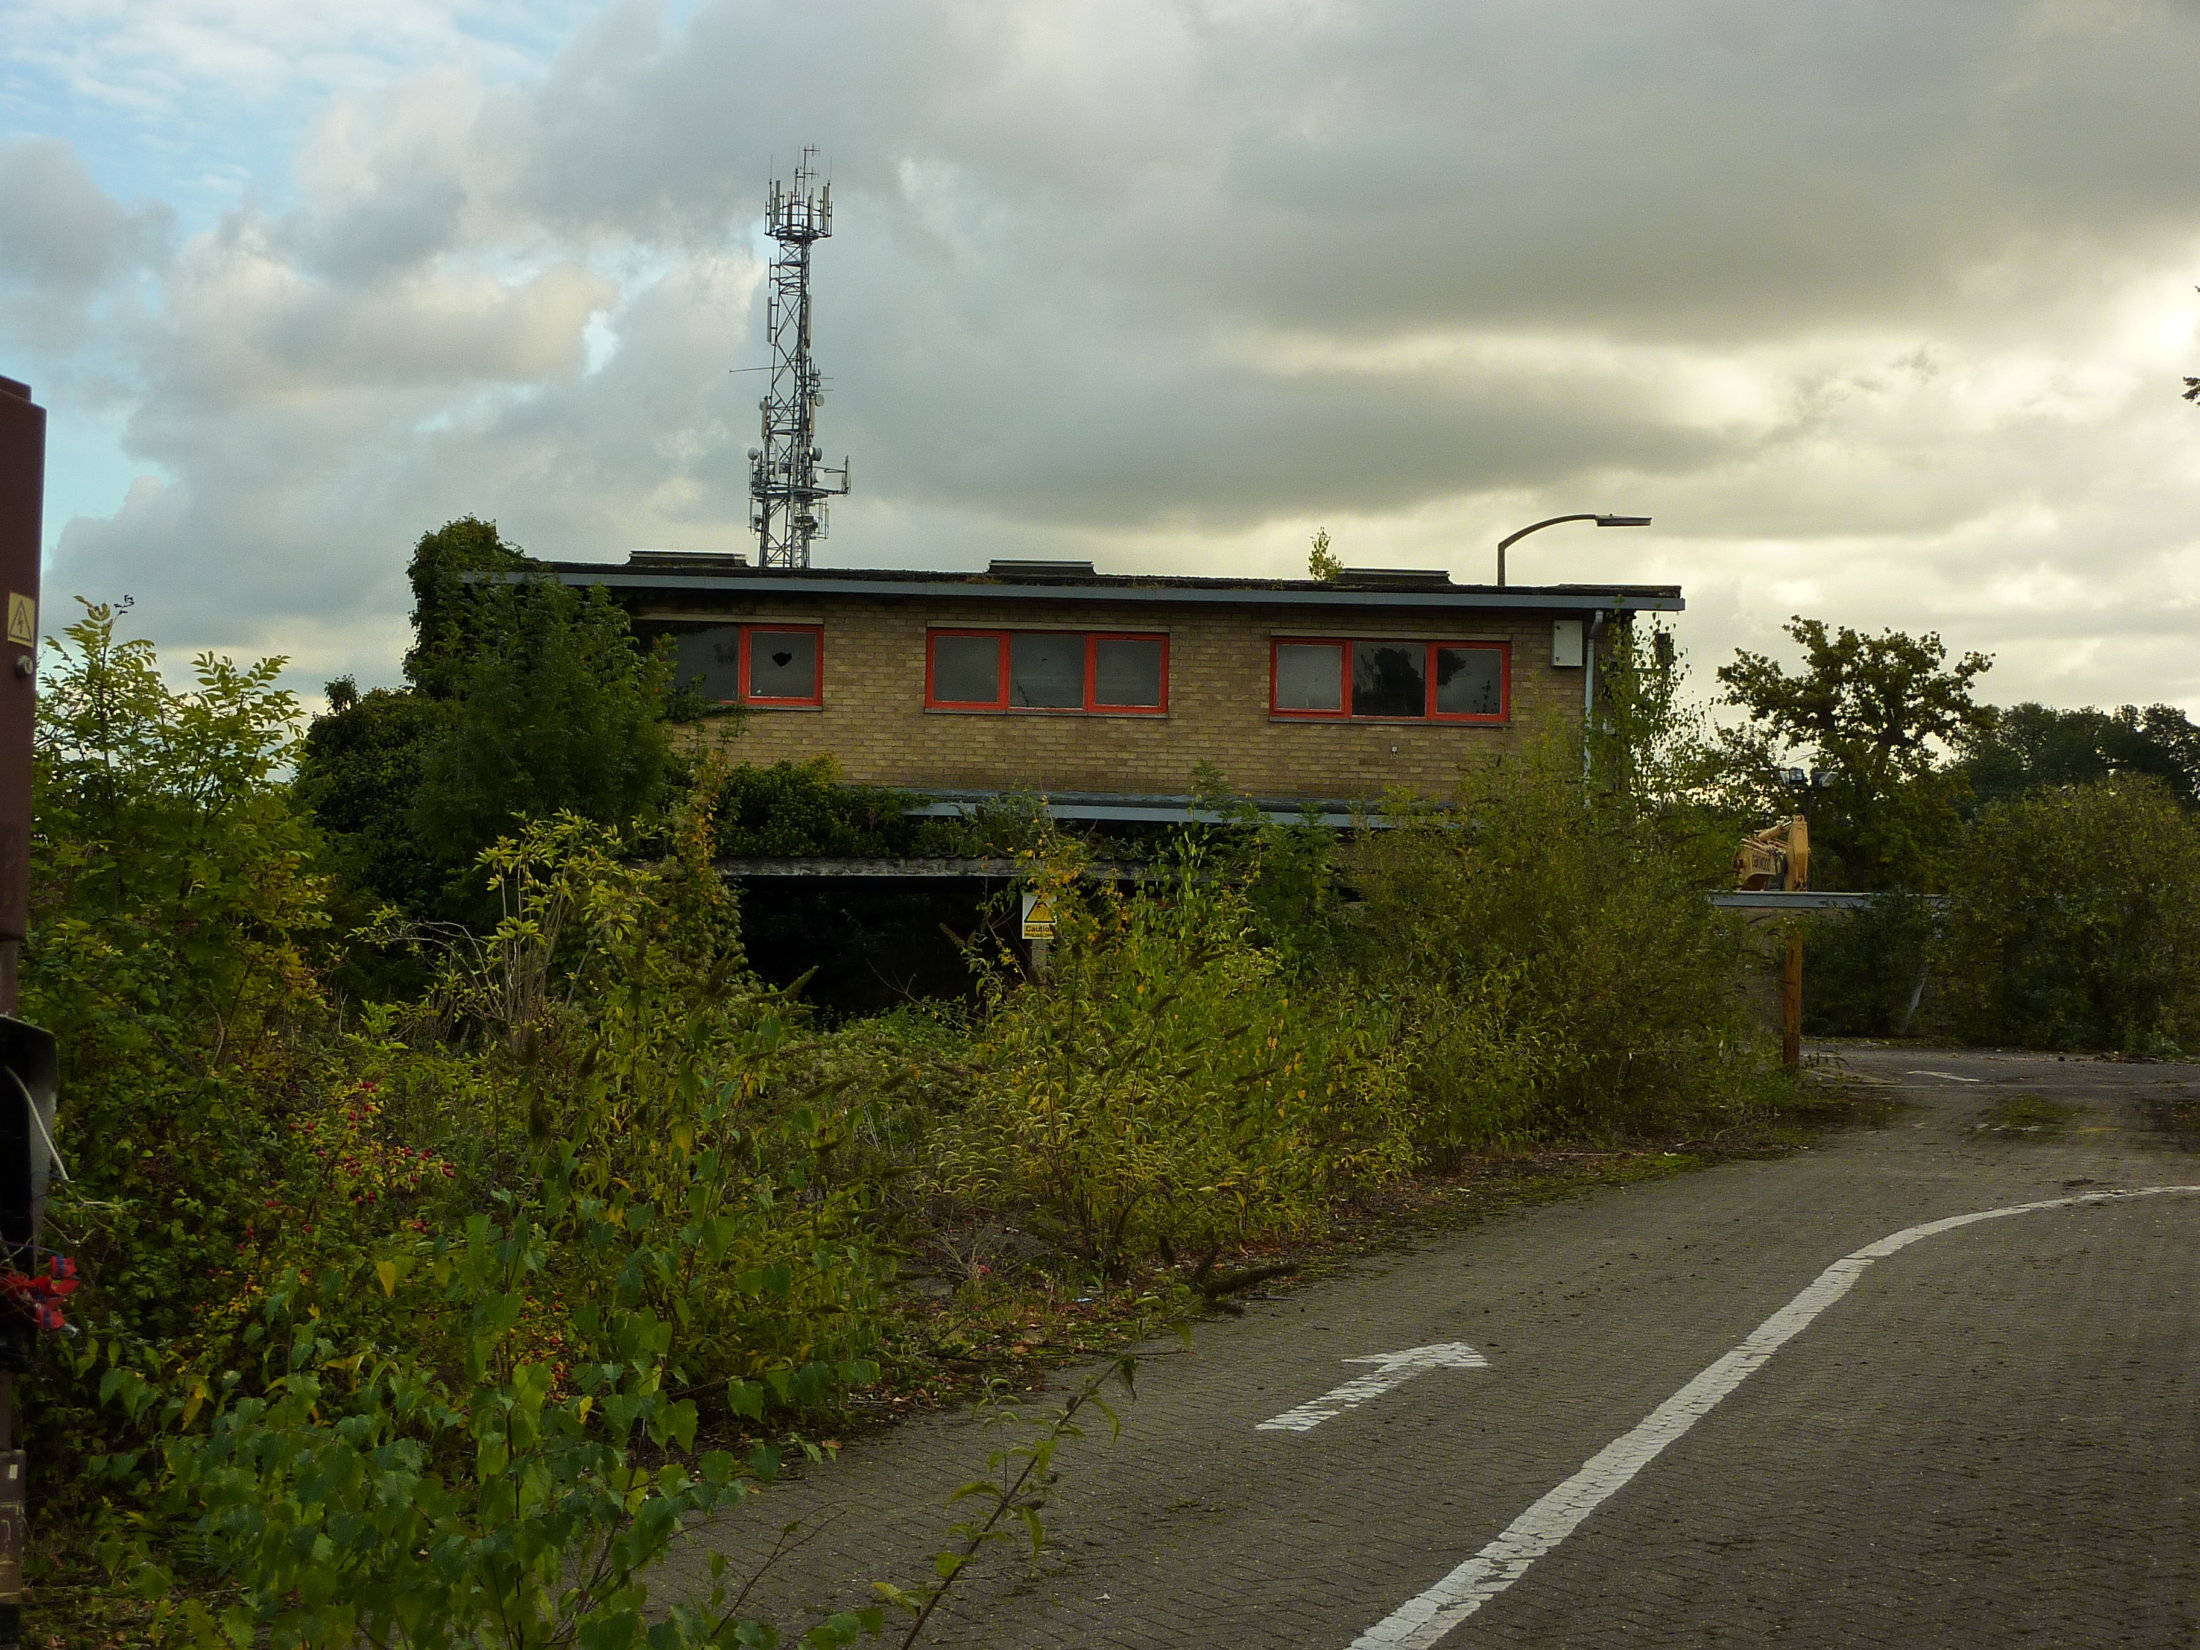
{"points": [[1102, 691]]}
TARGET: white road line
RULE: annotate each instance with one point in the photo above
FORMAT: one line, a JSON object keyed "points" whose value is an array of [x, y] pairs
{"points": [[1420, 1622], [1396, 1368]]}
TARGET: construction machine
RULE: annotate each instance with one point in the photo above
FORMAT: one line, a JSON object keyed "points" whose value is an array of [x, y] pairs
{"points": [[1777, 857]]}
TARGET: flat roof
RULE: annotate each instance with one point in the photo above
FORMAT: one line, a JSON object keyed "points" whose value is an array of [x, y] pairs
{"points": [[731, 577]]}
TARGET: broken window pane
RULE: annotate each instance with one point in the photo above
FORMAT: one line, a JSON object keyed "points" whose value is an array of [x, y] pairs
{"points": [[1046, 669], [966, 670], [1126, 671], [1310, 676], [1469, 681], [783, 664], [1388, 680], [709, 661]]}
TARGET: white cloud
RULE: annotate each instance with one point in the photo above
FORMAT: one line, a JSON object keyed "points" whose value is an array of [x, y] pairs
{"points": [[1877, 308], [152, 58]]}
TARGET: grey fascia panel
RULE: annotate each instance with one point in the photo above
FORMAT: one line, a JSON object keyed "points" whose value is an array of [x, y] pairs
{"points": [[1571, 599]]}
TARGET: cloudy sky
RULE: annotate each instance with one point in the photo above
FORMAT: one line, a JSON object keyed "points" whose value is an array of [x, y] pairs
{"points": [[1880, 307]]}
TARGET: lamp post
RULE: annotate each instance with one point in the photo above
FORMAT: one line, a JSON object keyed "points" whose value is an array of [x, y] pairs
{"points": [[1506, 544]]}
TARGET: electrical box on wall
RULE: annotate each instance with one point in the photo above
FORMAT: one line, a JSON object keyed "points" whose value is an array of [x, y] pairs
{"points": [[1566, 642]]}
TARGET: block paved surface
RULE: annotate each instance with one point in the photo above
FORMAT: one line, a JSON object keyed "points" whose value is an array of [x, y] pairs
{"points": [[1989, 1441]]}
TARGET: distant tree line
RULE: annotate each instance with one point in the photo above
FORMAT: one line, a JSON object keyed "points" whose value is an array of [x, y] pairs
{"points": [[2041, 867]]}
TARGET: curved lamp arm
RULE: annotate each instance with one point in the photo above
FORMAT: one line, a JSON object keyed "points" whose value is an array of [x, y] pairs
{"points": [[1506, 543]]}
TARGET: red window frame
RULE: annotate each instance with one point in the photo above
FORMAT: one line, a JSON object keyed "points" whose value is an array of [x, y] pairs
{"points": [[816, 632], [1344, 646], [1092, 705]]}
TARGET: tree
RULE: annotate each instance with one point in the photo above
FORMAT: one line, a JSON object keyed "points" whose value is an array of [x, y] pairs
{"points": [[2030, 747], [176, 926], [524, 698], [358, 774], [1874, 716], [173, 879], [1321, 561], [452, 620], [2073, 921], [560, 711]]}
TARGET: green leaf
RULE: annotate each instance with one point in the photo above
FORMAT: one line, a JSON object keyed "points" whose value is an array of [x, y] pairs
{"points": [[745, 1398]]}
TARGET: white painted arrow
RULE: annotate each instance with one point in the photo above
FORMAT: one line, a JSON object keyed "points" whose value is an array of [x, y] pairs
{"points": [[1392, 1369]]}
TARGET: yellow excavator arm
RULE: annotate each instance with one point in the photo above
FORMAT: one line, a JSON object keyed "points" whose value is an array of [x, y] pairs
{"points": [[1777, 857]]}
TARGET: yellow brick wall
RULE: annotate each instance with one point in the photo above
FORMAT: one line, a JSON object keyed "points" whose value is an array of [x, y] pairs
{"points": [[875, 724]]}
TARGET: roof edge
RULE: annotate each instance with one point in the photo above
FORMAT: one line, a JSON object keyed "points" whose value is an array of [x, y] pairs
{"points": [[1281, 593]]}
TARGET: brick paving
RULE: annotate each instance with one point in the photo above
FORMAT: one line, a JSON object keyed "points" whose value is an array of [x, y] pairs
{"points": [[1989, 1442]]}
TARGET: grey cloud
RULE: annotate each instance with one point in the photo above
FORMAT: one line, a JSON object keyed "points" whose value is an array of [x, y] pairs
{"points": [[66, 242], [1829, 288]]}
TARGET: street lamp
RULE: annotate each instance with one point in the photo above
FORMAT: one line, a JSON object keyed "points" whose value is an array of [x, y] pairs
{"points": [[1506, 544]]}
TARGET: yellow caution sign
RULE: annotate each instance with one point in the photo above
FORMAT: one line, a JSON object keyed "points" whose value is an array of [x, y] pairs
{"points": [[1038, 914], [22, 619]]}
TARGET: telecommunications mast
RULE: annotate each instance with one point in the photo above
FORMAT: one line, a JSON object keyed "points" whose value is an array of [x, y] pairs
{"points": [[788, 486]]}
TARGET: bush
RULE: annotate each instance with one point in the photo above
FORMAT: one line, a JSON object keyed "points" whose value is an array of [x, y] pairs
{"points": [[801, 810], [455, 1489], [2073, 921], [226, 1129], [1174, 1084], [177, 927], [1555, 962], [358, 774]]}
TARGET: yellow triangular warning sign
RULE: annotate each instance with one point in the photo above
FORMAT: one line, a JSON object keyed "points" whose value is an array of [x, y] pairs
{"points": [[1038, 914], [22, 620]]}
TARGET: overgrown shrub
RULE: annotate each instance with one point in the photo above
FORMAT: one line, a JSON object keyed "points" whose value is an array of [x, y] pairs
{"points": [[1549, 949], [588, 1179], [1174, 1083], [451, 1486], [565, 714], [227, 1129], [2073, 921], [177, 926]]}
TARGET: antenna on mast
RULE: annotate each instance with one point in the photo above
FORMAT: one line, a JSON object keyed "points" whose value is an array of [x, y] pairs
{"points": [[788, 485]]}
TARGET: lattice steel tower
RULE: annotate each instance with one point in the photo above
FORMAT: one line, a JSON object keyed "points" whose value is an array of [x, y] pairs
{"points": [[788, 485]]}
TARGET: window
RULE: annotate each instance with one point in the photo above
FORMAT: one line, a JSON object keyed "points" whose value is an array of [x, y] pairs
{"points": [[782, 665], [1047, 670], [1391, 681], [755, 664]]}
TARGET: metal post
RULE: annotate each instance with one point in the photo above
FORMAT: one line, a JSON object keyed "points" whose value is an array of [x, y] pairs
{"points": [[1589, 693], [22, 504], [22, 507], [1791, 1000]]}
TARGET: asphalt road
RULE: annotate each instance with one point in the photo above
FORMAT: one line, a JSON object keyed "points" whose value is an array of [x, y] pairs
{"points": [[1987, 1440]]}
